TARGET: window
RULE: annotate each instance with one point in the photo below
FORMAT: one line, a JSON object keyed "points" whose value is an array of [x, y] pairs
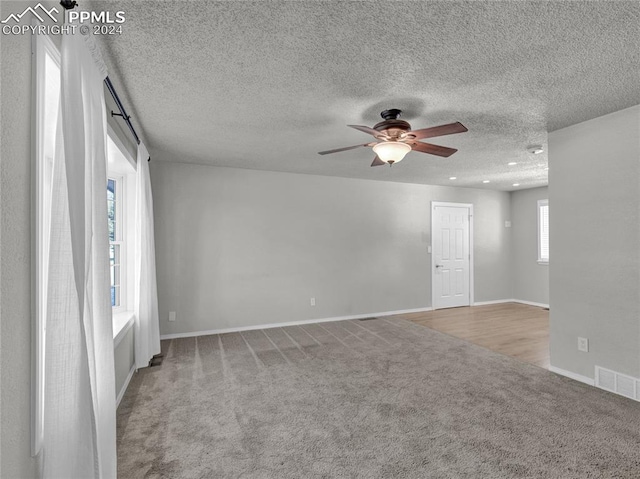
{"points": [[46, 99], [114, 210], [120, 210], [543, 231]]}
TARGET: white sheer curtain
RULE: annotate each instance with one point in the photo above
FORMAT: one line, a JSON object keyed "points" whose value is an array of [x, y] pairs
{"points": [[79, 438], [147, 329]]}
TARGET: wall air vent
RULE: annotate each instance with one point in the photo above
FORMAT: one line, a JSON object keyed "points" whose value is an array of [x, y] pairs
{"points": [[618, 383]]}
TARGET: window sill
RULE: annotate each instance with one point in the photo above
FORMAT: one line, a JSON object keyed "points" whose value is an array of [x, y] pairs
{"points": [[122, 322], [543, 262]]}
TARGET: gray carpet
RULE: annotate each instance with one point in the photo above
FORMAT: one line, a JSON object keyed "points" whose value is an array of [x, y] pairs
{"points": [[366, 399]]}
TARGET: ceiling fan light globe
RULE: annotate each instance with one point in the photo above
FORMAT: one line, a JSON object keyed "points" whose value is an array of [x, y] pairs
{"points": [[391, 151]]}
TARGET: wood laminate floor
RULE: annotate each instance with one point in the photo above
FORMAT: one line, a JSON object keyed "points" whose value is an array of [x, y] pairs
{"points": [[517, 330]]}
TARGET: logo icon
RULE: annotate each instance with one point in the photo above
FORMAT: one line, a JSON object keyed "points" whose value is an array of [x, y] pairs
{"points": [[18, 17]]}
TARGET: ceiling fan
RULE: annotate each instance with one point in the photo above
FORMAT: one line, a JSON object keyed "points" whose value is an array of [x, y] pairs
{"points": [[396, 139]]}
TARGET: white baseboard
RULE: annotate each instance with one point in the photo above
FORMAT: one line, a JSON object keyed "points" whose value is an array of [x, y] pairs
{"points": [[574, 376], [495, 301], [500, 301], [530, 303], [290, 323], [326, 320], [125, 385]]}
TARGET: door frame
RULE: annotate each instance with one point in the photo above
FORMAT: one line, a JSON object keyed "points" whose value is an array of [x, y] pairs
{"points": [[469, 206]]}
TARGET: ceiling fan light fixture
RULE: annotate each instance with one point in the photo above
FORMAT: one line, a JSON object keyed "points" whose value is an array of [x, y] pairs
{"points": [[391, 151]]}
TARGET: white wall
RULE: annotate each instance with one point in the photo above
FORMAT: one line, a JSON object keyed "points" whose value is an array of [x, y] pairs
{"points": [[124, 360], [594, 196], [242, 247], [15, 254], [530, 279]]}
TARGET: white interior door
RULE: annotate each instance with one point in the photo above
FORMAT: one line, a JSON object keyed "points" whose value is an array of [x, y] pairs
{"points": [[451, 255]]}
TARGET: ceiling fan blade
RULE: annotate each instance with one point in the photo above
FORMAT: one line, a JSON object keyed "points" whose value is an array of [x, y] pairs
{"points": [[377, 161], [441, 130], [433, 149], [370, 131], [337, 150]]}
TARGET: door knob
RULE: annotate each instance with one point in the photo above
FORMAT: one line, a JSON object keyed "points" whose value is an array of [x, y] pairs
{"points": [[439, 266]]}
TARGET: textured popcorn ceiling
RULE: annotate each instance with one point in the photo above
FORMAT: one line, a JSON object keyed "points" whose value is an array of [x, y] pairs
{"points": [[266, 85]]}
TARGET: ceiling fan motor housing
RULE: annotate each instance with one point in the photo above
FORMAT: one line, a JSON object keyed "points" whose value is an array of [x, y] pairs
{"points": [[392, 126]]}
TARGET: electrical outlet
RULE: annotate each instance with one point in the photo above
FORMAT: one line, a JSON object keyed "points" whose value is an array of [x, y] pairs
{"points": [[583, 345], [507, 224], [313, 301], [172, 316]]}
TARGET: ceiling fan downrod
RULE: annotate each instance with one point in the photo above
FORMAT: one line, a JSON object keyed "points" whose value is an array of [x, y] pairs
{"points": [[392, 114]]}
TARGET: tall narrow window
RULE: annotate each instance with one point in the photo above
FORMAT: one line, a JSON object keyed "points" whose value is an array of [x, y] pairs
{"points": [[543, 231], [120, 215], [46, 68], [114, 209]]}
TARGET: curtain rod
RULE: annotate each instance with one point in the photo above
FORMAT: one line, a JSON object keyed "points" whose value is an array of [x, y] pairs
{"points": [[123, 112], [68, 5]]}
